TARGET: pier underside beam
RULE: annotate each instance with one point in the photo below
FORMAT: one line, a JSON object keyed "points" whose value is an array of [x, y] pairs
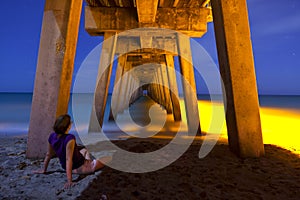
{"points": [[190, 21]]}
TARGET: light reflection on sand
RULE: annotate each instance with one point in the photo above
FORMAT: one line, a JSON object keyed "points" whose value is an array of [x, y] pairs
{"points": [[280, 126]]}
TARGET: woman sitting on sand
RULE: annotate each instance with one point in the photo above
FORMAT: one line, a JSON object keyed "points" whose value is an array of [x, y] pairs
{"points": [[72, 157]]}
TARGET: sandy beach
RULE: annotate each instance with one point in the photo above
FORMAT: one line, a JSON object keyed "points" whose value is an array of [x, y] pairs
{"points": [[19, 182], [220, 175], [142, 76]]}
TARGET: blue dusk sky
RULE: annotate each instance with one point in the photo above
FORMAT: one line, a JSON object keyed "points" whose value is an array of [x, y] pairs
{"points": [[275, 32]]}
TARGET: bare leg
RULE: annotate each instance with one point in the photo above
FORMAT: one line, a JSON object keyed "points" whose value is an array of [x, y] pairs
{"points": [[85, 154], [90, 166], [101, 162]]}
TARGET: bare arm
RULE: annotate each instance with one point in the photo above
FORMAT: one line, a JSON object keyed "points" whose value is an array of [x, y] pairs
{"points": [[69, 162], [50, 153], [49, 156]]}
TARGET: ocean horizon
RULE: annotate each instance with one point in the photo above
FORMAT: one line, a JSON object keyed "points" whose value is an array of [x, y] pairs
{"points": [[16, 107]]}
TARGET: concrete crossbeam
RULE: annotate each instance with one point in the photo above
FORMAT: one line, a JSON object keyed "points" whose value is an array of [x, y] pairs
{"points": [[146, 10], [190, 21], [132, 45]]}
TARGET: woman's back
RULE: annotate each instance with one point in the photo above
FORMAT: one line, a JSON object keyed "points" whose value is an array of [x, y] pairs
{"points": [[59, 143]]}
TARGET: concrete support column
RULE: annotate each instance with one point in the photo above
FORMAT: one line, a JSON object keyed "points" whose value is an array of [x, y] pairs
{"points": [[103, 80], [173, 87], [135, 94], [116, 91], [133, 91], [140, 93], [237, 70], [125, 87], [161, 89], [163, 94], [158, 88], [157, 92], [130, 92], [189, 85], [166, 90], [53, 79], [151, 92], [122, 89]]}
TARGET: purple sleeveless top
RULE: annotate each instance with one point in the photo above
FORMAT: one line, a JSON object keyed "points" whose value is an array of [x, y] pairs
{"points": [[59, 144]]}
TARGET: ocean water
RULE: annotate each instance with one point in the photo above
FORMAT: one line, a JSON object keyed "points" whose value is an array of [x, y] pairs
{"points": [[14, 113], [15, 109]]}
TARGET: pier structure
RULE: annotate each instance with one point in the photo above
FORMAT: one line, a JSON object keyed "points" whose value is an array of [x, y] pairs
{"points": [[135, 51]]}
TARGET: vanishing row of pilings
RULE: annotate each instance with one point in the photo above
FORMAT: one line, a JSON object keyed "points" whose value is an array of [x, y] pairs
{"points": [[57, 50]]}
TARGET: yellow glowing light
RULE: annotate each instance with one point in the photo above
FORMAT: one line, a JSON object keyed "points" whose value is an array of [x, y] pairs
{"points": [[280, 126], [212, 117]]}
